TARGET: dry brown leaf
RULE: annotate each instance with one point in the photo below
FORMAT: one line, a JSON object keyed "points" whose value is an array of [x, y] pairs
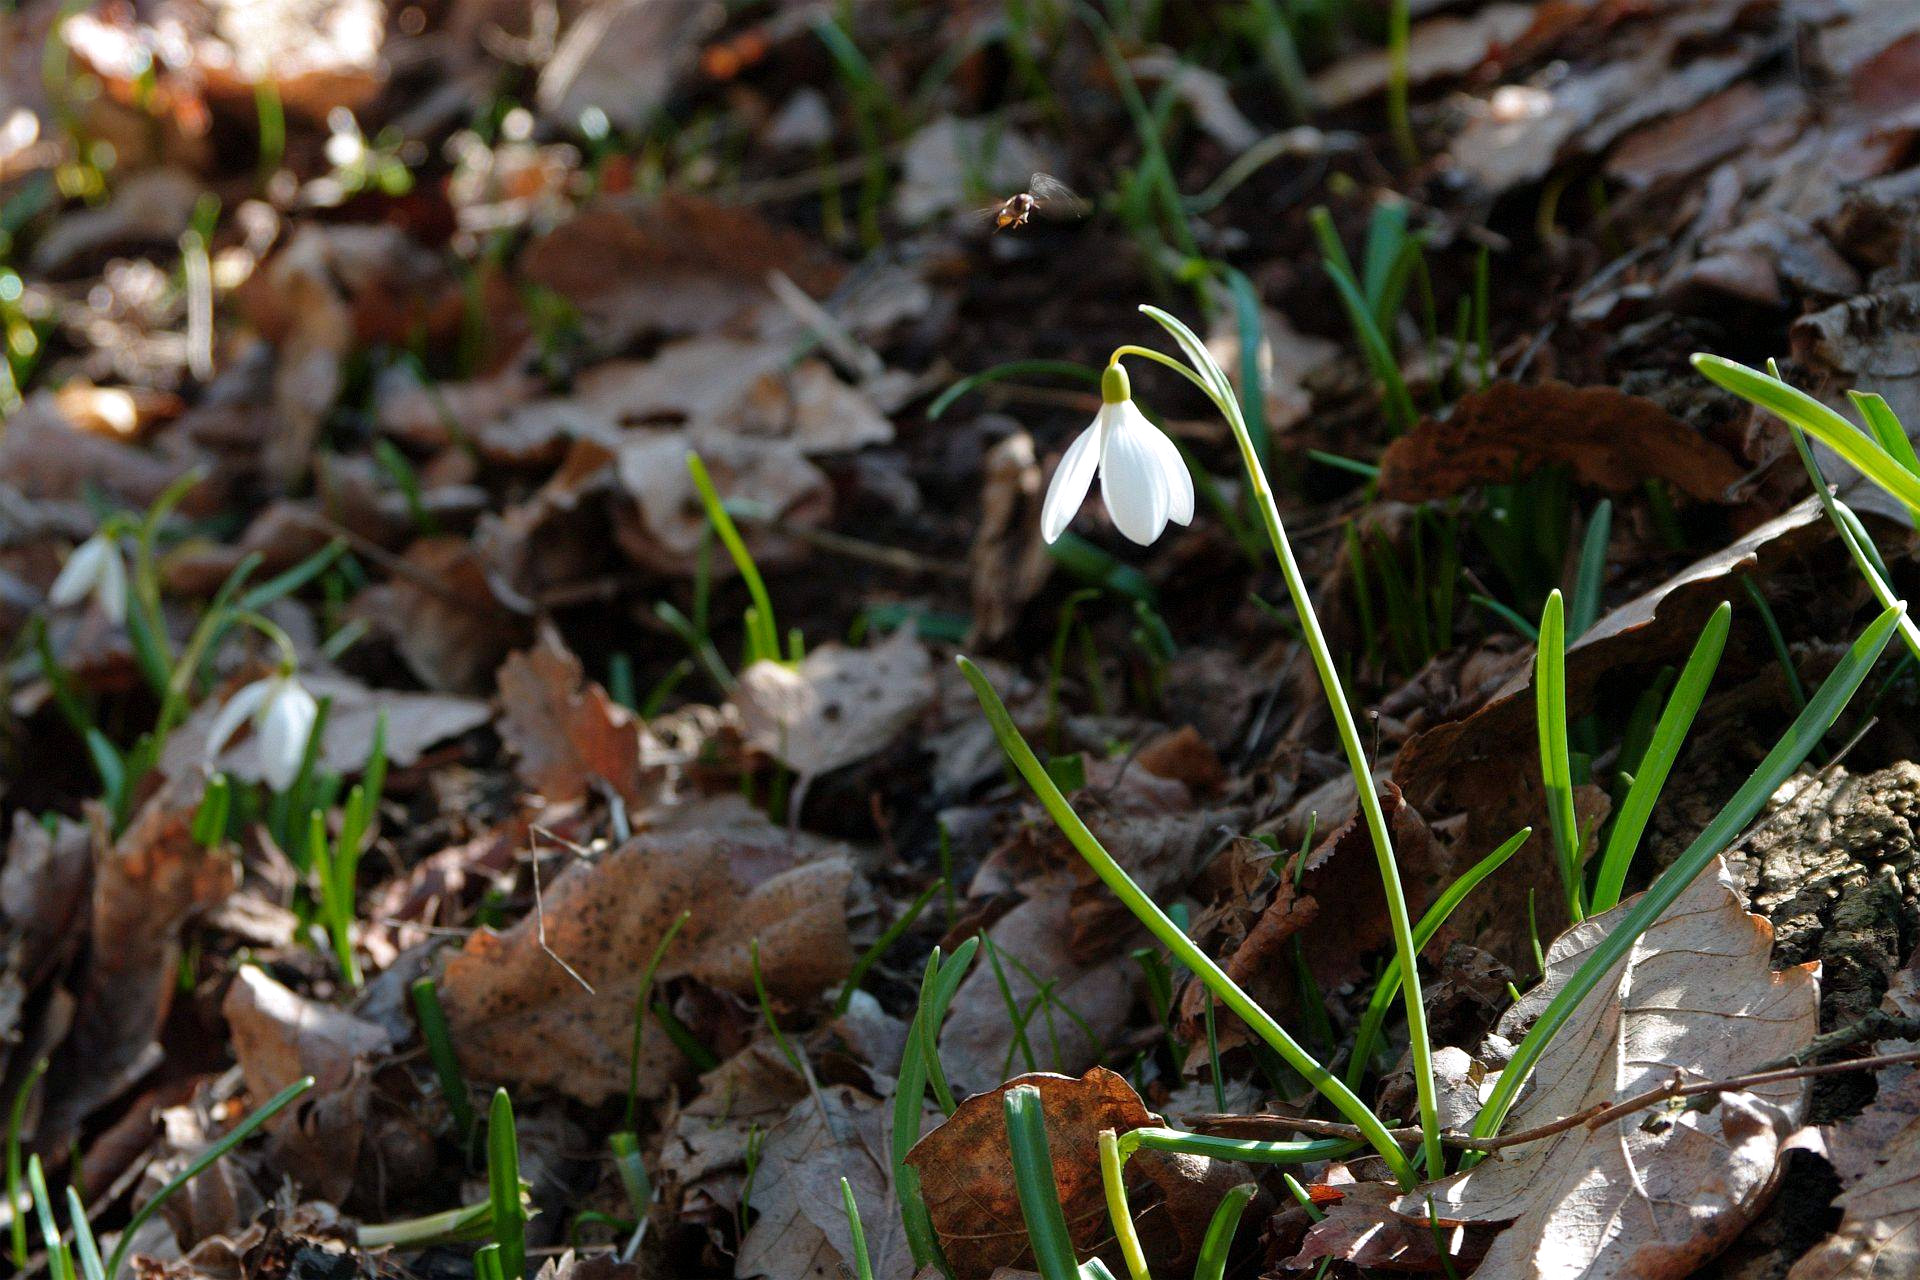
{"points": [[1611, 439], [47, 457], [151, 207], [838, 706], [800, 1220], [977, 1044], [279, 1036], [716, 385], [1879, 1233], [1007, 563], [687, 266], [966, 1176], [664, 525], [624, 58], [1649, 1195], [518, 1017], [1361, 1227], [1286, 359], [567, 731], [147, 884], [445, 617]]}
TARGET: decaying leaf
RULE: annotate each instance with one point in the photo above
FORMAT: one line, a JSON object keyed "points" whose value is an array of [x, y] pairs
{"points": [[1652, 1194], [838, 706], [519, 1017], [147, 884], [1439, 47], [1611, 439], [1034, 941], [800, 1224], [1879, 1234], [567, 731], [663, 525], [279, 1036]]}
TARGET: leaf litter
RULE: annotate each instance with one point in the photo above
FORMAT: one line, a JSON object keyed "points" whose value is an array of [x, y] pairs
{"points": [[423, 309]]}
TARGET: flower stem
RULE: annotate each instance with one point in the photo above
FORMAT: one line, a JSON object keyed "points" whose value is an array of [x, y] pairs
{"points": [[1419, 1047], [1170, 935]]}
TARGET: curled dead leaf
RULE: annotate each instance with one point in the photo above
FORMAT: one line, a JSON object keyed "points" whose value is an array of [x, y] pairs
{"points": [[1611, 439], [567, 731]]}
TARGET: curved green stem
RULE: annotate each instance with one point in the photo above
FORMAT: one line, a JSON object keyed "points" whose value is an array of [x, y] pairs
{"points": [[1113, 1182], [1367, 795], [1389, 984], [1170, 935], [1161, 358]]}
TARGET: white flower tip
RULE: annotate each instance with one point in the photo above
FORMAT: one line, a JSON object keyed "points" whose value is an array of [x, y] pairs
{"points": [[1071, 480]]}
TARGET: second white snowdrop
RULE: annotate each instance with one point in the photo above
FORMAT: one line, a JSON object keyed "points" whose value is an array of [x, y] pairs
{"points": [[282, 713], [94, 569], [1143, 479]]}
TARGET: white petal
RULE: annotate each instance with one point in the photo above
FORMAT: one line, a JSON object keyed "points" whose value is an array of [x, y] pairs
{"points": [[239, 709], [78, 575], [285, 723], [1179, 479], [1071, 480], [1133, 479], [111, 590]]}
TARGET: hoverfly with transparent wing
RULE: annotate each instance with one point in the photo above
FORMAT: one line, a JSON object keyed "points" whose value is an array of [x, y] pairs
{"points": [[1045, 197]]}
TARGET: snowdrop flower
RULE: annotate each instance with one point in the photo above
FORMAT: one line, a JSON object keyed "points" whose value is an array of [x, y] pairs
{"points": [[94, 569], [1143, 479], [282, 714]]}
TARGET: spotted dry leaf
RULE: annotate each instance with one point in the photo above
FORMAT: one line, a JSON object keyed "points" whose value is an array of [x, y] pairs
{"points": [[518, 1017], [838, 706]]}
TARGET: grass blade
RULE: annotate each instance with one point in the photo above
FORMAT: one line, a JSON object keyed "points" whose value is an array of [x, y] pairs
{"points": [[241, 1132], [1218, 1241], [1592, 573], [1170, 935], [1389, 985], [1033, 1177], [862, 1265], [1556, 769], [1657, 762], [1799, 409], [503, 1188]]}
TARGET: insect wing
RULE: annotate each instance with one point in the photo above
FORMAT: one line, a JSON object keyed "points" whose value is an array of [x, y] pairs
{"points": [[1054, 198]]}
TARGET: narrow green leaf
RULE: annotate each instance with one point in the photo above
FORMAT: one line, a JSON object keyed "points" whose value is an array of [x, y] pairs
{"points": [[1046, 1221], [503, 1188], [1218, 1241], [1556, 770], [1799, 409], [239, 1134], [1786, 756], [1669, 735]]}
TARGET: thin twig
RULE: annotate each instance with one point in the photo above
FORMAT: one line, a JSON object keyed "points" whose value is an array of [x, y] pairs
{"points": [[399, 566], [1592, 1117]]}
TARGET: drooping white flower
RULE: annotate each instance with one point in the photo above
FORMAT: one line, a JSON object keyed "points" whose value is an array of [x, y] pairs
{"points": [[282, 714], [1143, 479], [94, 569]]}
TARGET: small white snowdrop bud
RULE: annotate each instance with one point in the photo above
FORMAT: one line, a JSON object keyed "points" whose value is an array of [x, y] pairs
{"points": [[282, 714], [1143, 479], [94, 569]]}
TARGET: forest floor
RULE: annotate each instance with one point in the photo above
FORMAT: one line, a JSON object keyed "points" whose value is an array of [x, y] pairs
{"points": [[359, 349]]}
